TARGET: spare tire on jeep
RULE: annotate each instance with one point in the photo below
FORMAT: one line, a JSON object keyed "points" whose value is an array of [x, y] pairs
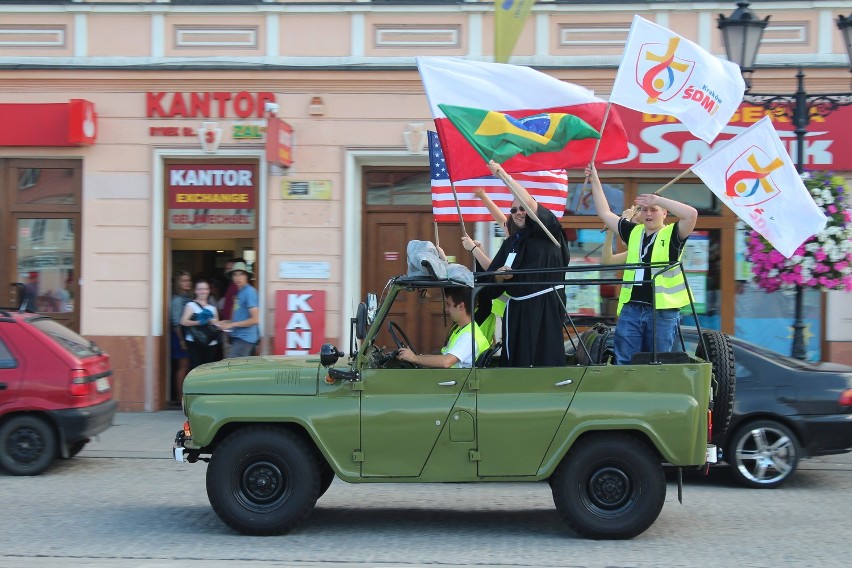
{"points": [[720, 353]]}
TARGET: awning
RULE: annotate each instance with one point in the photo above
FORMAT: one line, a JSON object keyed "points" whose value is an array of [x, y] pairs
{"points": [[48, 124]]}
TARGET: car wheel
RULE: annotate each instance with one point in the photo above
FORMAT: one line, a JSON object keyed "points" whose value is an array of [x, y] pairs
{"points": [[27, 445], [763, 453], [609, 486], [263, 481], [721, 354]]}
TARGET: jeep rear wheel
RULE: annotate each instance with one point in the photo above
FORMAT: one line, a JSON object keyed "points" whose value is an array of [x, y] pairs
{"points": [[721, 355], [609, 486], [263, 480]]}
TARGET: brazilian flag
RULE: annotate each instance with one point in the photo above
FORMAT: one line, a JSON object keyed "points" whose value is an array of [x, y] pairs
{"points": [[498, 136]]}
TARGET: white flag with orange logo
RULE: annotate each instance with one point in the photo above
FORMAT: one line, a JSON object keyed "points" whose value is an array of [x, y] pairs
{"points": [[663, 73], [754, 175]]}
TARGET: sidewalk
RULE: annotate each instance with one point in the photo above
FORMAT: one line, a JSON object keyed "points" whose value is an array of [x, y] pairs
{"points": [[138, 434]]}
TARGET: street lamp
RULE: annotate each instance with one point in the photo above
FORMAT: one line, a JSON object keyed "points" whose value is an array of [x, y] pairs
{"points": [[845, 27], [742, 32]]}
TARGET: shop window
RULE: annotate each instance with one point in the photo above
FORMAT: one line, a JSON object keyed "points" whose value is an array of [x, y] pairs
{"points": [[580, 202], [695, 194], [766, 319], [398, 188], [46, 186], [41, 207], [46, 263]]}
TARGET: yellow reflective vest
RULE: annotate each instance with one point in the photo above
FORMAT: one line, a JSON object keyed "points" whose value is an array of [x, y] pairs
{"points": [[481, 343], [669, 284]]}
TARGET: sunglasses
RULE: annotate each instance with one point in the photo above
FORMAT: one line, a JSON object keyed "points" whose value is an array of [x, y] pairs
{"points": [[514, 210]]}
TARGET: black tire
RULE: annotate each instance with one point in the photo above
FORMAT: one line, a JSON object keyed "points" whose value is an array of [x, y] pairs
{"points": [[609, 486], [326, 477], [27, 445], [76, 447], [763, 454], [263, 480], [721, 355]]}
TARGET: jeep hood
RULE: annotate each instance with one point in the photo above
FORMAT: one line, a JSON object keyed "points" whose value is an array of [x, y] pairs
{"points": [[274, 375]]}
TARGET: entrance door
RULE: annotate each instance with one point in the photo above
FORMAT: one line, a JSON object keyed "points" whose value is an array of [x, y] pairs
{"points": [[202, 259], [398, 209]]}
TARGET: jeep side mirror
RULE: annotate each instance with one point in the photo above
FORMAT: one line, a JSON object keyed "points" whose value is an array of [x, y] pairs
{"points": [[372, 307], [329, 355], [361, 321]]}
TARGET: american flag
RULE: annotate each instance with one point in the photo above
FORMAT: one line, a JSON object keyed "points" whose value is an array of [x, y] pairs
{"points": [[549, 188]]}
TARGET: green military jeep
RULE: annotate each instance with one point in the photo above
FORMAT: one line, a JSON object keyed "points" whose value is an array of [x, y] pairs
{"points": [[277, 430]]}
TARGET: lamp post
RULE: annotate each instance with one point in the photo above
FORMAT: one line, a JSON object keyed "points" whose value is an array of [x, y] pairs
{"points": [[742, 32]]}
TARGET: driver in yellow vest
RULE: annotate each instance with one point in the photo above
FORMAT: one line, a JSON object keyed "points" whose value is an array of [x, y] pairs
{"points": [[459, 349], [648, 241]]}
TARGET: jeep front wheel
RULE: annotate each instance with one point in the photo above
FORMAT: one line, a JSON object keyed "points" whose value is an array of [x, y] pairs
{"points": [[609, 486], [263, 480]]}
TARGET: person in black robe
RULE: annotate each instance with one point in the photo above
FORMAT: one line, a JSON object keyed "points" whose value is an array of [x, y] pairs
{"points": [[532, 324]]}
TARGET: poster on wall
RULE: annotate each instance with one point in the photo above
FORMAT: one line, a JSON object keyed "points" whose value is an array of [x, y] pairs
{"points": [[698, 286], [209, 196], [696, 253], [742, 267]]}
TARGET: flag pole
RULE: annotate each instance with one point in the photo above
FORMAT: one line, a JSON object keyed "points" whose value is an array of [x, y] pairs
{"points": [[668, 185], [597, 145], [509, 181], [437, 238], [603, 125], [458, 208]]}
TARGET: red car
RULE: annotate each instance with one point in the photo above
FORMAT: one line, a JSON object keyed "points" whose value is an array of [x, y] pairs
{"points": [[55, 392]]}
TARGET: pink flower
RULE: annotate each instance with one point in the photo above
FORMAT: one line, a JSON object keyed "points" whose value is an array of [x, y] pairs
{"points": [[820, 255], [832, 209]]}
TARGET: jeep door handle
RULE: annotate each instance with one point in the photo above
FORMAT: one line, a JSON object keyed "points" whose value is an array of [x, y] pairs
{"points": [[447, 384], [563, 383]]}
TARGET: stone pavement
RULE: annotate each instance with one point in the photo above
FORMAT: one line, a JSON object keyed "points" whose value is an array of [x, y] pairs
{"points": [[138, 434]]}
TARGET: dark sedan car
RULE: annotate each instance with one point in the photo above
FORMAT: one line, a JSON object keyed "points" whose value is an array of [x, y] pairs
{"points": [[785, 410]]}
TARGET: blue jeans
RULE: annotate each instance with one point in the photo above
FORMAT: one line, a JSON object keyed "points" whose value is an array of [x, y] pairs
{"points": [[635, 328]]}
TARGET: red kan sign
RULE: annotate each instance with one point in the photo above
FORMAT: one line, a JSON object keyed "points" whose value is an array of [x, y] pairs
{"points": [[299, 321], [279, 142], [660, 142], [48, 124]]}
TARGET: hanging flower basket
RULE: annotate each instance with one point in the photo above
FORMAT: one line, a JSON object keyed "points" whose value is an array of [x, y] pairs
{"points": [[824, 261]]}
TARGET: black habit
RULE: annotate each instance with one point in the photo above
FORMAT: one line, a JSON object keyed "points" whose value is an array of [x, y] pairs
{"points": [[532, 326]]}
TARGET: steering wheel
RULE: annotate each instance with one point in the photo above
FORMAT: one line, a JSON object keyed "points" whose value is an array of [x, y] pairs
{"points": [[393, 328]]}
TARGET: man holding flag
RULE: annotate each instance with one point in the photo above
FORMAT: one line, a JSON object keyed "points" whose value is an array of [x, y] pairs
{"points": [[648, 241]]}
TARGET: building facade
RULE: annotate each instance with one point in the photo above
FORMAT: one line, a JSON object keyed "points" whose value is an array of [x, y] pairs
{"points": [[135, 145]]}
